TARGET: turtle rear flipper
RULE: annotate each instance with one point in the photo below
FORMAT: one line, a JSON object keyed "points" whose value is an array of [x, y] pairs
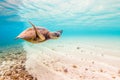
{"points": [[23, 37]]}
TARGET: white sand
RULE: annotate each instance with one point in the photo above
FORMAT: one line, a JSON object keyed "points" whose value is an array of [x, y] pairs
{"points": [[72, 60]]}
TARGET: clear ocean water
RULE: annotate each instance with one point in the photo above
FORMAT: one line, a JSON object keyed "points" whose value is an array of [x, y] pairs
{"points": [[88, 49], [92, 19]]}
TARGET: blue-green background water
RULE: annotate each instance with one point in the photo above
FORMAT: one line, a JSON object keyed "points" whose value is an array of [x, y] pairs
{"points": [[78, 18]]}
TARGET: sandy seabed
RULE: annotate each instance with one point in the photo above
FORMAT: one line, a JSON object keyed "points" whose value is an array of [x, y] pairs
{"points": [[65, 60], [73, 60], [12, 64]]}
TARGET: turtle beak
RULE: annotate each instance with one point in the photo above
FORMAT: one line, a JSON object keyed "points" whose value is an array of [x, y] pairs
{"points": [[60, 31]]}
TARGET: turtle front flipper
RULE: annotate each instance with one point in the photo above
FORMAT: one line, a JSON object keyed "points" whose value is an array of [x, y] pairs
{"points": [[38, 34], [41, 37]]}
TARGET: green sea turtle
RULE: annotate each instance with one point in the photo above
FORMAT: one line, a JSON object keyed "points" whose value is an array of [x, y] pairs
{"points": [[38, 34]]}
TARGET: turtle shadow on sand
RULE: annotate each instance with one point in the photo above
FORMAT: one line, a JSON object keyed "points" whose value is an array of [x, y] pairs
{"points": [[38, 34]]}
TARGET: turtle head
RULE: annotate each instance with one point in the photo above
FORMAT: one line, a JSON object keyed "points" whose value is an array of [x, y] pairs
{"points": [[55, 35]]}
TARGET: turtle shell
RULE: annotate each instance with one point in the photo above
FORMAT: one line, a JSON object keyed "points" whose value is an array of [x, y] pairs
{"points": [[31, 36]]}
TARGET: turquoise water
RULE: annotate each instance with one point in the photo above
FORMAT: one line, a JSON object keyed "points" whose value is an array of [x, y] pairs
{"points": [[77, 18]]}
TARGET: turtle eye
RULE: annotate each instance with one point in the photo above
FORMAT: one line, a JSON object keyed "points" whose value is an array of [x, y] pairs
{"points": [[57, 35]]}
